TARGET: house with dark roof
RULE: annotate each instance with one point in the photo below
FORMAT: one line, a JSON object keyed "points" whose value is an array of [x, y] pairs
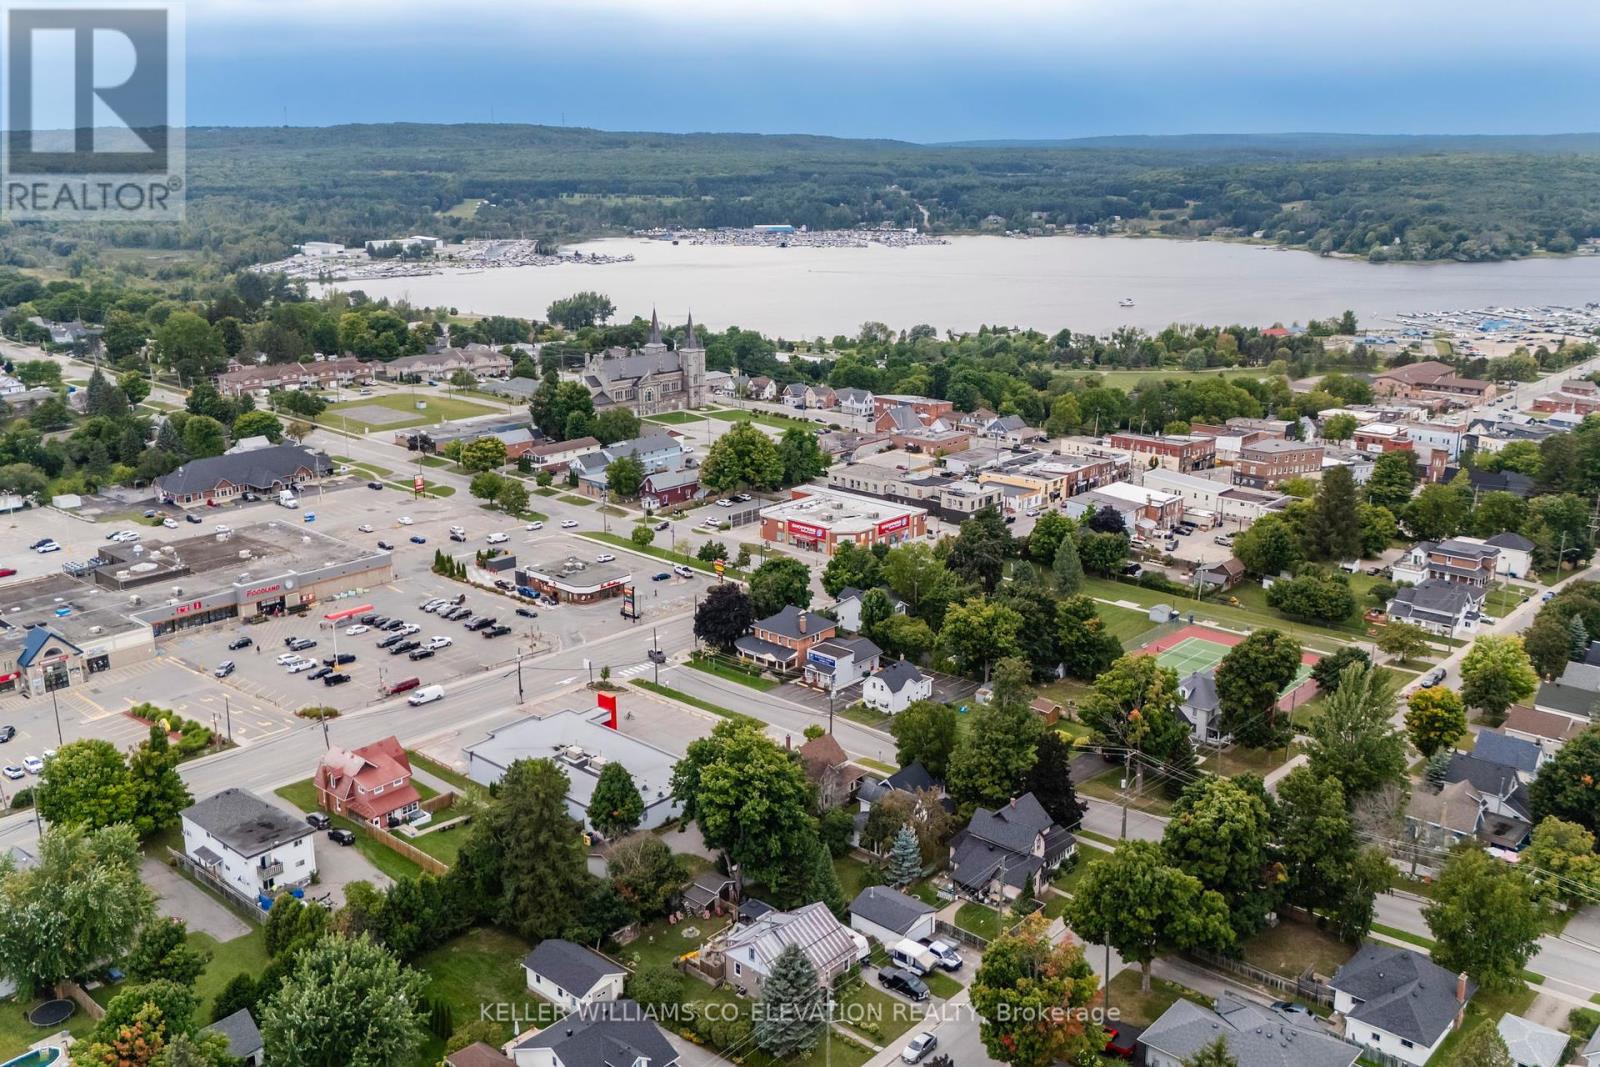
{"points": [[1501, 482], [1445, 608], [1516, 554], [1221, 575], [847, 607], [244, 1038], [1002, 851], [665, 489], [1479, 800], [887, 915], [854, 401], [1256, 1035], [781, 640], [370, 783], [1459, 560], [616, 1033], [830, 769], [1200, 706], [896, 687], [839, 663], [570, 976], [1575, 693], [1522, 756], [1398, 1001], [247, 845], [260, 470]]}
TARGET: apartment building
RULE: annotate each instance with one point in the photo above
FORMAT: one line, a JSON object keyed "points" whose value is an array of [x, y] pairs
{"points": [[1271, 461]]}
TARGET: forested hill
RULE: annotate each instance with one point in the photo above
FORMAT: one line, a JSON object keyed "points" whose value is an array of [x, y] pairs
{"points": [[254, 192]]}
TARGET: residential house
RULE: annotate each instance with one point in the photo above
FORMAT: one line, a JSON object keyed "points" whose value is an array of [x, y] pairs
{"points": [[1002, 851], [655, 453], [1591, 1051], [761, 388], [1521, 755], [1257, 1036], [896, 687], [248, 845], [1270, 462], [783, 639], [1530, 1044], [666, 489], [803, 397], [262, 470], [1449, 609], [1399, 1001], [318, 374], [1458, 559], [720, 383], [556, 456], [854, 401], [840, 662], [888, 915], [1201, 707], [371, 784], [614, 1033], [1223, 575], [1575, 693], [847, 607], [1479, 800], [479, 360], [1501, 482], [243, 1037], [479, 1054], [570, 976], [10, 386], [912, 779], [1548, 729], [830, 770], [1516, 554], [1012, 430], [748, 951]]}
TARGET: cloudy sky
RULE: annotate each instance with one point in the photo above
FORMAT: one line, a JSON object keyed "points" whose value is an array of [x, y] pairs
{"points": [[924, 70]]}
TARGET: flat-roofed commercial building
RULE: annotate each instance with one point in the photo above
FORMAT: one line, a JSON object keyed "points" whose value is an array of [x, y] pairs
{"points": [[820, 519], [1269, 462], [1176, 452], [575, 581]]}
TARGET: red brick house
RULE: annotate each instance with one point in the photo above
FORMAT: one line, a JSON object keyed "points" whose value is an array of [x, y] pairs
{"points": [[370, 783], [1175, 452], [782, 640]]}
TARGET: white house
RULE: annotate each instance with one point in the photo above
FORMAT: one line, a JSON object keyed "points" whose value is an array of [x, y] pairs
{"points": [[570, 976], [854, 401], [896, 687], [847, 607], [840, 662], [748, 950], [1399, 1002], [1516, 554], [251, 846], [888, 915]]}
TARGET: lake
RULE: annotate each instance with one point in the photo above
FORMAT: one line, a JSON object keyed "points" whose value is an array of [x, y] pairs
{"points": [[1044, 283]]}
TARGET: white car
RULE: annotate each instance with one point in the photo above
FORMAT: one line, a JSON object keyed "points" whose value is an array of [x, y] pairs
{"points": [[357, 630], [288, 658], [48, 546], [605, 557], [169, 524], [458, 530], [437, 642], [12, 773], [569, 524], [497, 539], [409, 628], [128, 536], [301, 665], [682, 570], [365, 527], [404, 520], [33, 764], [224, 528], [534, 526]]}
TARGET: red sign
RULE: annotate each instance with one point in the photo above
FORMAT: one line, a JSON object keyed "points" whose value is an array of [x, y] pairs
{"points": [[184, 609], [262, 590], [417, 484], [894, 524], [807, 531]]}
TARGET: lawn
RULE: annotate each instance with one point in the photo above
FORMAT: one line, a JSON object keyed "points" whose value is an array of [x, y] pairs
{"points": [[442, 845], [364, 465], [977, 919], [676, 418], [1108, 786], [303, 795], [1068, 881], [1484, 1009], [581, 501], [853, 874], [776, 422], [1239, 760], [1127, 379], [1243, 618], [242, 955], [867, 716], [876, 1015], [1142, 1009], [435, 461], [1290, 947], [439, 408], [660, 553], [479, 974], [733, 672], [439, 771]]}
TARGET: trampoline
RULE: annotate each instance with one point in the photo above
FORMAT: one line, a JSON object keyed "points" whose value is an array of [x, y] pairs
{"points": [[52, 1013]]}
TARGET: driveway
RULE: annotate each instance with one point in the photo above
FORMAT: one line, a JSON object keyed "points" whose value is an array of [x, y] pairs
{"points": [[179, 898]]}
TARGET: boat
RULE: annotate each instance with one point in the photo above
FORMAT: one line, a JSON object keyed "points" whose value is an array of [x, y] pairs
{"points": [[1125, 302]]}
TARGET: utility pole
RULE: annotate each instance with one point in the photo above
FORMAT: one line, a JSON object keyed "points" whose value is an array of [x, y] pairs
{"points": [[227, 712], [1127, 767], [519, 677], [831, 690], [60, 740]]}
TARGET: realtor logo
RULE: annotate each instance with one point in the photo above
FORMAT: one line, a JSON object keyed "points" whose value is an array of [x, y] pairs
{"points": [[93, 109]]}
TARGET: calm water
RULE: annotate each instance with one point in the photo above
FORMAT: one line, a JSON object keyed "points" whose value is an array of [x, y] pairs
{"points": [[1047, 284]]}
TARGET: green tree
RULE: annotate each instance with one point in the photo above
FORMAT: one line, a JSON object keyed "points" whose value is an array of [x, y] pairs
{"points": [[1314, 593], [203, 436], [1215, 1054], [743, 457], [103, 399], [905, 858], [978, 632], [1563, 854], [1144, 908], [1316, 838], [536, 848], [1568, 786], [1438, 512], [723, 616], [655, 987], [1249, 680], [1378, 528], [348, 1003], [992, 759], [1496, 673], [1135, 705], [1577, 638], [1339, 427], [1050, 780], [190, 346], [1025, 992], [1268, 546], [926, 733], [1220, 833], [624, 476], [642, 535], [777, 584], [78, 908], [801, 456], [87, 784], [1044, 540], [160, 792], [1483, 919], [1067, 568], [1403, 641], [486, 485], [1393, 480], [1087, 647], [794, 1006], [850, 567], [1336, 527], [615, 424], [587, 308], [1435, 719], [1354, 740], [258, 424], [1483, 1047], [648, 874], [980, 550], [1326, 671], [918, 576], [615, 807], [512, 497], [163, 953], [483, 454]]}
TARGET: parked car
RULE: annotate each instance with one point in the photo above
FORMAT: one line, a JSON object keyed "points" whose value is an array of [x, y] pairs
{"points": [[409, 628], [365, 527], [369, 618], [945, 954], [300, 644], [661, 576], [535, 525], [497, 631], [1119, 1046], [497, 539], [903, 982], [454, 536], [49, 546], [1225, 540], [320, 673], [391, 641], [33, 764], [239, 642], [1431, 679], [392, 625], [405, 646], [437, 642], [404, 520], [7, 733], [527, 613], [1289, 1007], [338, 678], [403, 685], [318, 821], [341, 836], [193, 518], [301, 665], [386, 546], [12, 773], [169, 524], [340, 660], [605, 557], [6, 572], [420, 653], [663, 524], [287, 658], [918, 1047], [418, 539], [224, 669], [357, 630], [374, 485], [683, 570], [482, 622]]}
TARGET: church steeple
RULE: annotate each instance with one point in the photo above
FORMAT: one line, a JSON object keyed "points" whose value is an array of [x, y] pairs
{"points": [[688, 341], [655, 328]]}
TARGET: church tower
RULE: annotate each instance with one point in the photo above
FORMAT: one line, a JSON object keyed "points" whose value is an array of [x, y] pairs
{"points": [[655, 344], [692, 357]]}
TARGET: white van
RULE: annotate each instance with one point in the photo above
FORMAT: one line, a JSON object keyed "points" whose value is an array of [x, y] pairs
{"points": [[286, 498], [912, 956], [426, 695]]}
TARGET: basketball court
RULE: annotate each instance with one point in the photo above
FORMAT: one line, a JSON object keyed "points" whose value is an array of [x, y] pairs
{"points": [[1199, 648]]}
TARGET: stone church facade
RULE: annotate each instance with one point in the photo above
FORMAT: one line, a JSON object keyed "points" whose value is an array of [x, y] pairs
{"points": [[650, 379]]}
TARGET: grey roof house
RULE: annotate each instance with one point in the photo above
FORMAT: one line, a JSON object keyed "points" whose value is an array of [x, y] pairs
{"points": [[244, 1039], [1448, 609], [1201, 707], [571, 976], [888, 915], [1576, 692], [1399, 1001], [1256, 1036], [1522, 756], [1530, 1044], [609, 1034], [1000, 851]]}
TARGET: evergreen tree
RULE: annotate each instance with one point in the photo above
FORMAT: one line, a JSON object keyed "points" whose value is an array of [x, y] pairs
{"points": [[615, 808], [822, 881], [1067, 567], [793, 1011], [1335, 529], [1215, 1054], [1579, 635], [1438, 767], [1182, 766], [1050, 781], [905, 858]]}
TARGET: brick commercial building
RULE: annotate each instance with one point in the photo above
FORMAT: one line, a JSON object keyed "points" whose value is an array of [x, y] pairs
{"points": [[1431, 378], [1382, 437], [820, 519], [1172, 451], [926, 408], [1269, 462]]}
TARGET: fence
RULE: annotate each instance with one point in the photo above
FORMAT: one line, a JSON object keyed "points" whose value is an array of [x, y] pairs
{"points": [[1305, 987], [249, 908], [78, 995], [394, 844], [1376, 1056]]}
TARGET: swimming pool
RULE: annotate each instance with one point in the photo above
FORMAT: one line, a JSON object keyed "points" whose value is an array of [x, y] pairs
{"points": [[36, 1058]]}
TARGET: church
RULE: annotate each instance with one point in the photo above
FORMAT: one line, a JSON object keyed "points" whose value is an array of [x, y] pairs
{"points": [[650, 379]]}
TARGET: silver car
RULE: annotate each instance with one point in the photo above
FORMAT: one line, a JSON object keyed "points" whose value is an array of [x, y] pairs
{"points": [[918, 1047]]}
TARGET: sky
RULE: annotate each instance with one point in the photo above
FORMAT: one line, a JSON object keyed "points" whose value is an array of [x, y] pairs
{"points": [[920, 70]]}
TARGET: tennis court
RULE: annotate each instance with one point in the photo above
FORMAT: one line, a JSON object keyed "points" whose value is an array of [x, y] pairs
{"points": [[1197, 648]]}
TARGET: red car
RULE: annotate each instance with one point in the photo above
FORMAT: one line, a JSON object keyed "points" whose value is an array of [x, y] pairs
{"points": [[1119, 1046], [6, 572]]}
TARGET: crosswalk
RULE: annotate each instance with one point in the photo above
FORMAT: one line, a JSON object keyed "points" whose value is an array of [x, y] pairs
{"points": [[629, 672]]}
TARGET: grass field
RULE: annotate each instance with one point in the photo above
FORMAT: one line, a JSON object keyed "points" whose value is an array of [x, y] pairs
{"points": [[481, 968], [303, 795], [1127, 379], [977, 919], [439, 408], [1142, 1009], [761, 418], [1290, 947], [1243, 618], [733, 672], [464, 210], [1197, 654], [679, 418]]}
